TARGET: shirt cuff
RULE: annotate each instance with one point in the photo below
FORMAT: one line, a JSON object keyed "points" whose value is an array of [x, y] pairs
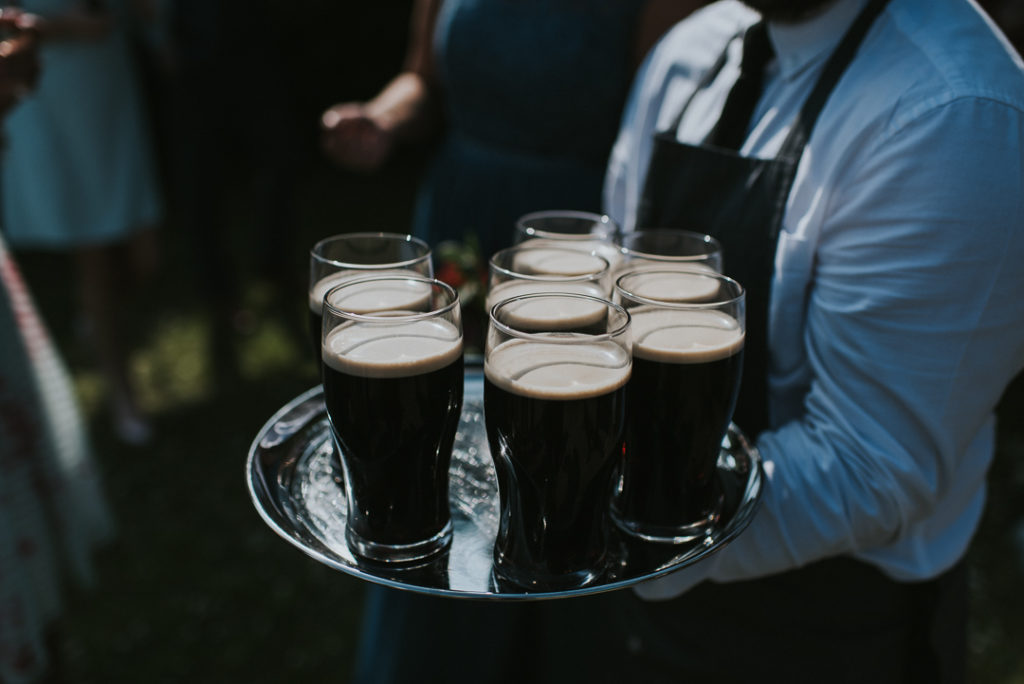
{"points": [[677, 583]]}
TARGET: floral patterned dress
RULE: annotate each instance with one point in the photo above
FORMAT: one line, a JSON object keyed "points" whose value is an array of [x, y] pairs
{"points": [[52, 512]]}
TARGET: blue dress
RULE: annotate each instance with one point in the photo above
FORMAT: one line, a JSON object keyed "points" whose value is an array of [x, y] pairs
{"points": [[533, 91], [78, 165]]}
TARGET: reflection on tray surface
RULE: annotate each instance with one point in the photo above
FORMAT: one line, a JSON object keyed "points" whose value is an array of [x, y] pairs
{"points": [[295, 482]]}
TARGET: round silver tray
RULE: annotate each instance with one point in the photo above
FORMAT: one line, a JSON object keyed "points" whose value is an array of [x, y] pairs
{"points": [[297, 490]]}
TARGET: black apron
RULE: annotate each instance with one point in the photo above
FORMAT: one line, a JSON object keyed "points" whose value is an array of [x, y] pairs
{"points": [[839, 620], [741, 202]]}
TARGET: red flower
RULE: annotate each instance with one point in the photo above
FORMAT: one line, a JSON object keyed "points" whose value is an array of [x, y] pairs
{"points": [[451, 274]]}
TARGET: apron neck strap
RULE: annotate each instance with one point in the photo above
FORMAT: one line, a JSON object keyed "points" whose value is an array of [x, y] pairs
{"points": [[800, 133]]}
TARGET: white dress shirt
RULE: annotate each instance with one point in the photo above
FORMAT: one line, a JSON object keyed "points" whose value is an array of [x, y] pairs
{"points": [[896, 317]]}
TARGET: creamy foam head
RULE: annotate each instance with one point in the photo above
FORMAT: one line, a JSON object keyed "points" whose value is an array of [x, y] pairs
{"points": [[547, 261], [320, 288], [684, 336], [552, 314], [690, 283], [392, 350], [515, 288], [549, 370], [638, 265], [379, 295], [580, 243]]}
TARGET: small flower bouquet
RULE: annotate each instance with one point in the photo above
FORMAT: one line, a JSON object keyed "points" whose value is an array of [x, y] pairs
{"points": [[461, 265]]}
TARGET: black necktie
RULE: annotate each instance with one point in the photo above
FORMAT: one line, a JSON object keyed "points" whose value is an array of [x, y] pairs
{"points": [[731, 129]]}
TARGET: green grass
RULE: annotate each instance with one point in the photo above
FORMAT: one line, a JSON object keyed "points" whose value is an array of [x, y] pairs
{"points": [[195, 584]]}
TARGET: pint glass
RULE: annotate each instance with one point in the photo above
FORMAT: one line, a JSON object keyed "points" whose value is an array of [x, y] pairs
{"points": [[579, 230], [393, 382], [523, 270], [688, 330], [664, 249], [336, 259], [554, 409]]}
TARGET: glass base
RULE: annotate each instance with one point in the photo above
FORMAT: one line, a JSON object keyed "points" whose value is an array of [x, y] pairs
{"points": [[671, 534], [511, 578], [400, 553]]}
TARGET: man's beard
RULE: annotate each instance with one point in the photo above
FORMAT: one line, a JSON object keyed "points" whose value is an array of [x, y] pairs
{"points": [[788, 10]]}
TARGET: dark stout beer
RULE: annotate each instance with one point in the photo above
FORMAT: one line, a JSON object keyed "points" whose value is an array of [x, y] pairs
{"points": [[394, 395], [554, 416], [686, 370]]}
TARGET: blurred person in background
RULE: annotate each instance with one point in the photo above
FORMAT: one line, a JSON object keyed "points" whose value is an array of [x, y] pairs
{"points": [[234, 130], [19, 57], [522, 101], [52, 512], [79, 177]]}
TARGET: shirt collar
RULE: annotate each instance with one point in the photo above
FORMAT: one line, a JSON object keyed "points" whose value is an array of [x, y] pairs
{"points": [[798, 45]]}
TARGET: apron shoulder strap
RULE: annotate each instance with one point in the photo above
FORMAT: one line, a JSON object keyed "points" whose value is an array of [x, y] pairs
{"points": [[802, 128]]}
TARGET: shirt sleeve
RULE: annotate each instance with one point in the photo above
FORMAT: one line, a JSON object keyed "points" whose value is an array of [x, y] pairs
{"points": [[622, 183], [914, 327]]}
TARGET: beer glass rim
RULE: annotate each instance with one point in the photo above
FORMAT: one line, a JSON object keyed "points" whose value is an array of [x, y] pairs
{"points": [[640, 299], [603, 219], [397, 237], [583, 277], [600, 337], [701, 237], [405, 318]]}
